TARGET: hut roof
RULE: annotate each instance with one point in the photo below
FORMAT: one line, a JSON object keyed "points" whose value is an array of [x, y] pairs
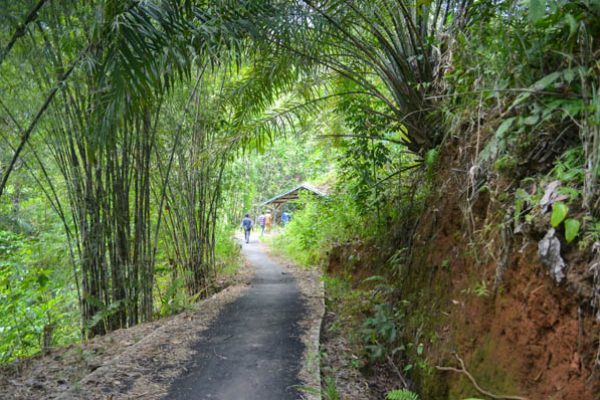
{"points": [[294, 194]]}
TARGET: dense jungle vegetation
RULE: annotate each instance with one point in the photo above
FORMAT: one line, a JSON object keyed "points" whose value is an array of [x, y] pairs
{"points": [[134, 134]]}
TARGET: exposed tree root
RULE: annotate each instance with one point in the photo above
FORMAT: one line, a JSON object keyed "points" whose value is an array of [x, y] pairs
{"points": [[463, 370]]}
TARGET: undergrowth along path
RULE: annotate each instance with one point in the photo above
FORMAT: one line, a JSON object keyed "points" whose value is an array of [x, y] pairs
{"points": [[253, 350]]}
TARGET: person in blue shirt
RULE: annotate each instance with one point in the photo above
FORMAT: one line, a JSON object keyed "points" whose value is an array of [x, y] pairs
{"points": [[247, 224], [285, 218]]}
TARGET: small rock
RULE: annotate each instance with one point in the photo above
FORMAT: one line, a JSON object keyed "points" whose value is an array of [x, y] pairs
{"points": [[549, 252], [35, 384], [92, 366], [576, 362]]}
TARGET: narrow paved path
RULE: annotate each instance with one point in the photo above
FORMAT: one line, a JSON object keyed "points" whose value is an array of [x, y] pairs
{"points": [[253, 350]]}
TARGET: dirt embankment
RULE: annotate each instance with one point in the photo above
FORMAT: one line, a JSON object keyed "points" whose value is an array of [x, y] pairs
{"points": [[491, 301], [528, 337], [477, 290]]}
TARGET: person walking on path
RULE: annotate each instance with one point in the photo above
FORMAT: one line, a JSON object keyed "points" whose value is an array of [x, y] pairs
{"points": [[285, 218], [261, 223], [247, 224], [269, 221]]}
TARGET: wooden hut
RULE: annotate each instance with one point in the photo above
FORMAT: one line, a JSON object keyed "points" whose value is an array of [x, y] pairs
{"points": [[276, 203]]}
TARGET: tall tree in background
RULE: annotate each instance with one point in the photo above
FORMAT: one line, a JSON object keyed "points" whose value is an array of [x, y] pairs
{"points": [[193, 192]]}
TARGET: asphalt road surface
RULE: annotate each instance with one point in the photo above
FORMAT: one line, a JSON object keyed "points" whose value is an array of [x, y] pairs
{"points": [[253, 349]]}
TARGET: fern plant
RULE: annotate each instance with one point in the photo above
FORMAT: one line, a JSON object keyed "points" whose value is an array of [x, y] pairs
{"points": [[402, 394]]}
